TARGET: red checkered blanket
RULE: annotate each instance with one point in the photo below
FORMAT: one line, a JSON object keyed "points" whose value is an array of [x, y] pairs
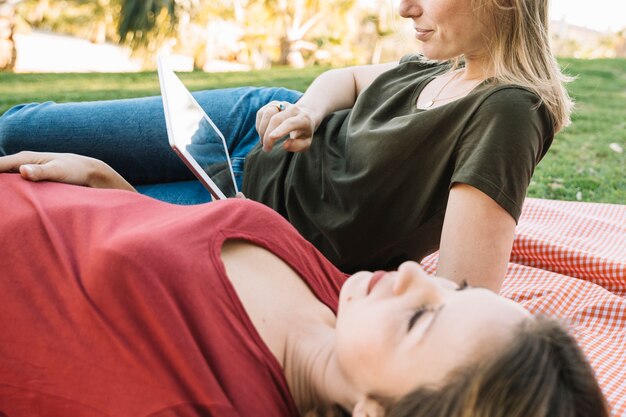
{"points": [[569, 261]]}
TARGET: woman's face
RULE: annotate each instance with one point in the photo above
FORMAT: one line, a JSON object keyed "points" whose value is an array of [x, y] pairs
{"points": [[447, 28], [400, 330]]}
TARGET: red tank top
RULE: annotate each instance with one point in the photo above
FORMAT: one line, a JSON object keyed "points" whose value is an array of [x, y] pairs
{"points": [[115, 304]]}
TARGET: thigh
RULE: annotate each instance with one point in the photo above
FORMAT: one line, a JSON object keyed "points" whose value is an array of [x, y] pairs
{"points": [[181, 192], [129, 135]]}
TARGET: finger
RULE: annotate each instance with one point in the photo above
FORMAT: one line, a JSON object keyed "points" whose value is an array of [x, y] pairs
{"points": [[258, 116], [29, 172], [279, 111], [36, 172], [298, 141], [289, 125], [297, 145], [54, 170], [12, 163], [264, 115], [9, 164], [298, 134], [270, 138], [263, 123], [262, 118]]}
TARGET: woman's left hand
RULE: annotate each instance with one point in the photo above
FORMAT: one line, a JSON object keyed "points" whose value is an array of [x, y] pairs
{"points": [[64, 167]]}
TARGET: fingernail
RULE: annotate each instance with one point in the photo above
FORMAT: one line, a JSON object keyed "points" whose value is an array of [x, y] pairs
{"points": [[28, 170]]}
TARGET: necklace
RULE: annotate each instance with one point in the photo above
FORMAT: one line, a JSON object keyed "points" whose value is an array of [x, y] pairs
{"points": [[435, 99]]}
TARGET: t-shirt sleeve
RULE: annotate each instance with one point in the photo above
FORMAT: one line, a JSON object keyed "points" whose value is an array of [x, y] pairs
{"points": [[501, 145]]}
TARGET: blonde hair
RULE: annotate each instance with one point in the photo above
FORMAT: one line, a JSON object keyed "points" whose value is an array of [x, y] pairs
{"points": [[519, 44]]}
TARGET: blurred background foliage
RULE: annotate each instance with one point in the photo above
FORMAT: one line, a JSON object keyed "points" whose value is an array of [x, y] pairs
{"points": [[255, 33]]}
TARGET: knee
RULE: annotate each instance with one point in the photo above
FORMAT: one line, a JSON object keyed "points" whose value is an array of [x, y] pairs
{"points": [[285, 94], [12, 130], [264, 95], [260, 96], [6, 134]]}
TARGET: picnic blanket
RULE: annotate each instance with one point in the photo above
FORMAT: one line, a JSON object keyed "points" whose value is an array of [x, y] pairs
{"points": [[569, 261]]}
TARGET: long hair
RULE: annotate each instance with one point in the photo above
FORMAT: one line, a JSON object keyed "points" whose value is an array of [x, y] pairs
{"points": [[541, 373], [519, 44]]}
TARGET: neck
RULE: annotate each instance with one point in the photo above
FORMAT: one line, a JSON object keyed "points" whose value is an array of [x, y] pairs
{"points": [[477, 67], [310, 368]]}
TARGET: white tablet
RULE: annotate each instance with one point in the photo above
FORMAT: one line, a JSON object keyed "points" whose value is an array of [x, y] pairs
{"points": [[194, 137]]}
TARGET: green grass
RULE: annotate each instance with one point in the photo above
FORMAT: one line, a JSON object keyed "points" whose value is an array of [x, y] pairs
{"points": [[580, 164], [25, 88]]}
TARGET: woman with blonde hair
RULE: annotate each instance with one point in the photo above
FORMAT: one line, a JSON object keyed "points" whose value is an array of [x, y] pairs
{"points": [[377, 164]]}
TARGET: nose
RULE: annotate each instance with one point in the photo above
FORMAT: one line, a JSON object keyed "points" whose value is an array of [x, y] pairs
{"points": [[410, 8], [411, 275]]}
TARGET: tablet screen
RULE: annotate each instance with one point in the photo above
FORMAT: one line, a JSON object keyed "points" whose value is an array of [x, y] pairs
{"points": [[196, 139]]}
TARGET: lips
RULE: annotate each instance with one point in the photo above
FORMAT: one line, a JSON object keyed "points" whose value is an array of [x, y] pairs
{"points": [[422, 34], [376, 276]]}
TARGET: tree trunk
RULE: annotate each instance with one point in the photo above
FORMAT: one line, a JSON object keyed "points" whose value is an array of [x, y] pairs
{"points": [[285, 46], [8, 53]]}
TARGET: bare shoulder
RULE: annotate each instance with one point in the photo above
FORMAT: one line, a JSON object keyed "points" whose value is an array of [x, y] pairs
{"points": [[275, 297]]}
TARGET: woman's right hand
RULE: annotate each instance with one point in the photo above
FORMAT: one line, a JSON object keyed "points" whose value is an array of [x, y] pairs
{"points": [[333, 90], [64, 167], [278, 119]]}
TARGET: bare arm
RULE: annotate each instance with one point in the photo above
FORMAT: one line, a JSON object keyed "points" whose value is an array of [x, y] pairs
{"points": [[64, 167], [333, 90], [338, 89], [476, 239]]}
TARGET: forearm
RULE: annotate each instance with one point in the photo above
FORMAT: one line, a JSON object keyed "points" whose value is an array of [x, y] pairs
{"points": [[339, 88], [333, 90], [64, 167]]}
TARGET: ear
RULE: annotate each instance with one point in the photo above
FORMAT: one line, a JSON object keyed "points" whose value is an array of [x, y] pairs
{"points": [[368, 407]]}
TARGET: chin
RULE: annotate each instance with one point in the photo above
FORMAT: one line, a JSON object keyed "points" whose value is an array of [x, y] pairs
{"points": [[436, 55]]}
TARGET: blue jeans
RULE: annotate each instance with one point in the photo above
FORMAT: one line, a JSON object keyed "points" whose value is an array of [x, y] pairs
{"points": [[130, 135]]}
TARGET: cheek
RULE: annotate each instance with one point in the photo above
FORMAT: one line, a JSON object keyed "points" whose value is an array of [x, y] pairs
{"points": [[443, 14], [352, 287], [364, 335], [453, 20]]}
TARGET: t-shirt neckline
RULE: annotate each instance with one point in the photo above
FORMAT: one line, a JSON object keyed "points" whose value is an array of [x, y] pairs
{"points": [[423, 83]]}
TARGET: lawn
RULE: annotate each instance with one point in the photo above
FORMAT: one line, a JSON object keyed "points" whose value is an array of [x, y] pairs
{"points": [[583, 164]]}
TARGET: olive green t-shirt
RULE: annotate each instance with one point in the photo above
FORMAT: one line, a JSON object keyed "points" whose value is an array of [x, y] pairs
{"points": [[371, 191]]}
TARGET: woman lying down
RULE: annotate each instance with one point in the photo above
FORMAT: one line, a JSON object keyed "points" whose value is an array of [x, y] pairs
{"points": [[115, 304]]}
